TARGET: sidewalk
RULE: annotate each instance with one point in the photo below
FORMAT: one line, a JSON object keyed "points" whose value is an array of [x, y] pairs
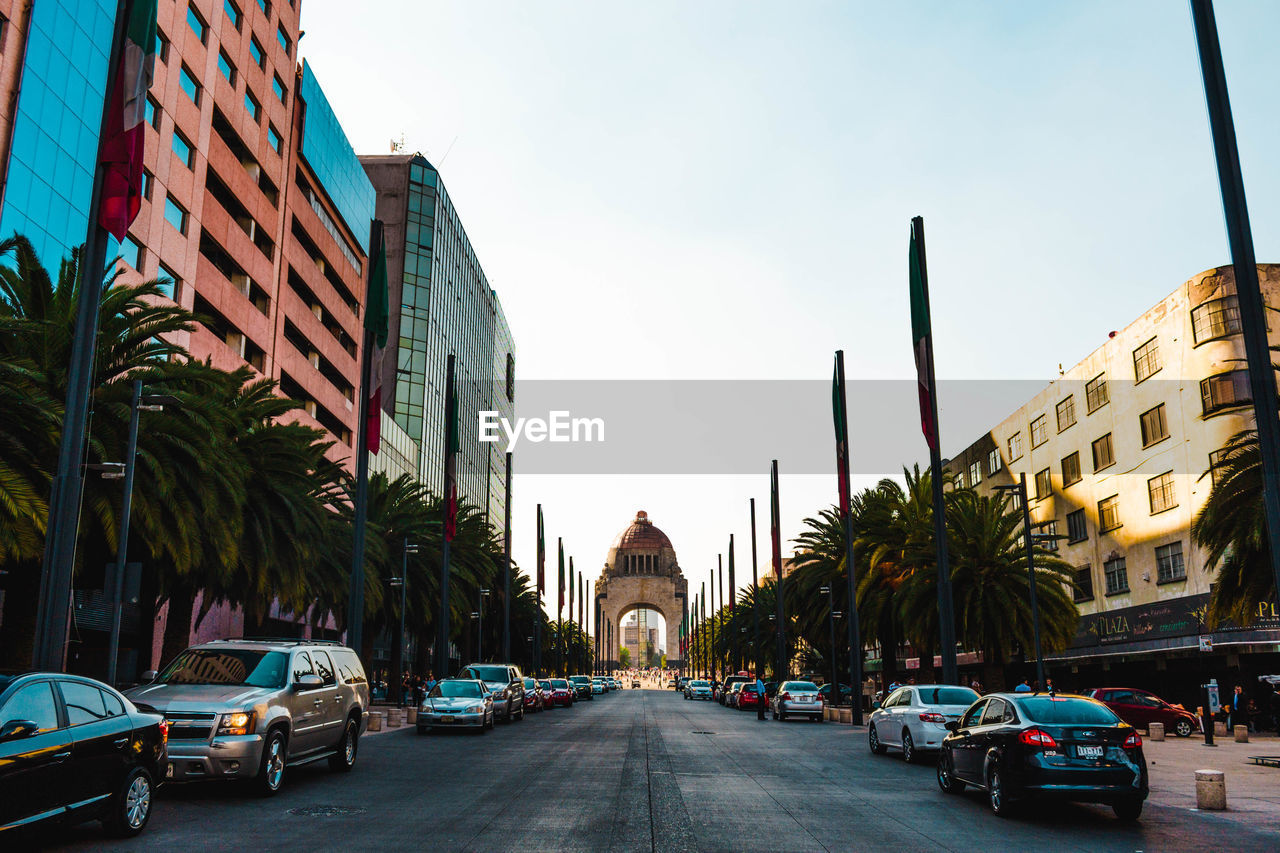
{"points": [[1253, 792]]}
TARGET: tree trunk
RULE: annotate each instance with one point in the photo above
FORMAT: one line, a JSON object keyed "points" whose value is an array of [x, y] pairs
{"points": [[177, 625]]}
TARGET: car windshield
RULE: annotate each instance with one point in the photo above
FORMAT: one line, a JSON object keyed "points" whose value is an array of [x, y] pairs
{"points": [[560, 683], [1063, 711], [579, 679], [457, 690], [545, 685], [227, 666], [699, 684], [530, 684], [947, 695], [802, 686], [489, 673]]}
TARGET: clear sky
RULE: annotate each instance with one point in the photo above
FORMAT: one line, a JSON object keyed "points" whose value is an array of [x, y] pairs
{"points": [[667, 189]]}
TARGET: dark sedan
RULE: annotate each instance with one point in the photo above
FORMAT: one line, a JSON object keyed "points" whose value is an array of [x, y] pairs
{"points": [[1017, 745], [72, 749], [534, 701]]}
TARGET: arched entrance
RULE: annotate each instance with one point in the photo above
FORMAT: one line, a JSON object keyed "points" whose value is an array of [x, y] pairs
{"points": [[640, 573]]}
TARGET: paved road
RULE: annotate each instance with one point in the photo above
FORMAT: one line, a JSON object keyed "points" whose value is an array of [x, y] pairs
{"points": [[643, 770]]}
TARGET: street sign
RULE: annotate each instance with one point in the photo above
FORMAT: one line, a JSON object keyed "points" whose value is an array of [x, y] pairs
{"points": [[1214, 704], [1206, 644]]}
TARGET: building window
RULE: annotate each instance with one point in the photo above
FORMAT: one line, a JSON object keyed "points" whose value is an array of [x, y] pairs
{"points": [[975, 473], [1071, 469], [1067, 413], [511, 378], [1169, 565], [251, 104], [1015, 447], [168, 282], [132, 253], [281, 37], [1117, 576], [255, 51], [1095, 393], [1077, 527], [1216, 318], [1217, 459], [1109, 513], [151, 112], [1084, 584], [227, 70], [265, 7], [197, 24], [162, 47], [1224, 391], [1044, 486], [1161, 492], [1039, 431], [1146, 360], [1103, 457], [273, 139], [277, 86], [183, 149], [993, 462], [233, 13], [147, 180], [1154, 427], [175, 214], [187, 82], [1049, 535]]}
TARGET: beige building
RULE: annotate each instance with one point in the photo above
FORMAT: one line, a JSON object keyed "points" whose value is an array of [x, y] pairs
{"points": [[1117, 454]]}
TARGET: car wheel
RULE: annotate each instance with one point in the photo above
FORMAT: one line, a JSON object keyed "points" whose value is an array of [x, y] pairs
{"points": [[873, 741], [271, 770], [1128, 809], [782, 715], [947, 780], [1182, 728], [908, 747], [997, 796], [817, 718], [130, 809], [521, 717], [345, 758]]}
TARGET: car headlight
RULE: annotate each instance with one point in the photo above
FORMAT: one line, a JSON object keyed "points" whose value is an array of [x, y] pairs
{"points": [[474, 709], [239, 723]]}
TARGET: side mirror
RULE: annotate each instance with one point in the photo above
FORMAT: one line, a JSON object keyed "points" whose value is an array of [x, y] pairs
{"points": [[149, 676], [951, 725], [18, 729], [310, 681]]}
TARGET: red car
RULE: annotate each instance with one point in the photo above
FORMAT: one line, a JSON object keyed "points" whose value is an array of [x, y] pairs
{"points": [[748, 698], [534, 701], [1140, 708], [558, 692]]}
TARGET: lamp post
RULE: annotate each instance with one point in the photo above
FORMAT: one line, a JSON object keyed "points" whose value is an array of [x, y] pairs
{"points": [[1021, 491], [484, 593], [397, 649], [140, 402], [835, 676]]}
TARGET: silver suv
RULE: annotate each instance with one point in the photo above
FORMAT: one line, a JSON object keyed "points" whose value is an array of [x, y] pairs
{"points": [[505, 684], [247, 709]]}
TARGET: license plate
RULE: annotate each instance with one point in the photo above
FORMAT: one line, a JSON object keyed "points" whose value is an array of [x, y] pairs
{"points": [[447, 718], [168, 770], [1089, 751]]}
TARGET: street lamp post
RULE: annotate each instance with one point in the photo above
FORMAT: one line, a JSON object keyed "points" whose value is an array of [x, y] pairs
{"points": [[835, 676], [397, 649], [140, 402], [1021, 491], [484, 593]]}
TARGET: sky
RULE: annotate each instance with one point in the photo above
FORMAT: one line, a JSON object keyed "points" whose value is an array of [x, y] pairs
{"points": [[723, 190]]}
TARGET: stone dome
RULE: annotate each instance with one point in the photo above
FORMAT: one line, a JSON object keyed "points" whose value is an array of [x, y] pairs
{"points": [[641, 535]]}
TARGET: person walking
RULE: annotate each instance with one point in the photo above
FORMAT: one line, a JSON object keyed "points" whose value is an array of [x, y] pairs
{"points": [[1022, 687], [761, 699]]}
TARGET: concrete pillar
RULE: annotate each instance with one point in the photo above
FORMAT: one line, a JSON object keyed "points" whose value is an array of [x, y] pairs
{"points": [[410, 715], [393, 718], [1211, 790], [375, 721], [1219, 728], [1155, 731], [1241, 733]]}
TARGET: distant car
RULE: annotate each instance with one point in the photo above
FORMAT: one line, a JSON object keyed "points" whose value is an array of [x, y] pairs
{"points": [[635, 683], [614, 683], [698, 689], [506, 686], [682, 682], [598, 686], [457, 703], [797, 698], [846, 693], [534, 701], [748, 698], [73, 749], [673, 683], [1140, 708], [581, 685], [558, 692], [735, 693], [725, 688], [914, 718], [1015, 745]]}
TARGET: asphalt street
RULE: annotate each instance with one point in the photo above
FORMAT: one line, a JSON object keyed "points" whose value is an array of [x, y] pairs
{"points": [[640, 770]]}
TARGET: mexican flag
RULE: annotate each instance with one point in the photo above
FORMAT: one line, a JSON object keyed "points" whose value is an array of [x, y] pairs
{"points": [[377, 314], [560, 596], [842, 435], [775, 521], [922, 334], [120, 150], [542, 556], [571, 589]]}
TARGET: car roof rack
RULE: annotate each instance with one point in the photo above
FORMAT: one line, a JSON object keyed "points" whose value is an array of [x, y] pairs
{"points": [[277, 641]]}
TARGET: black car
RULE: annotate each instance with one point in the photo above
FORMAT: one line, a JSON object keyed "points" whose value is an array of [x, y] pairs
{"points": [[581, 685], [1016, 745], [72, 749]]}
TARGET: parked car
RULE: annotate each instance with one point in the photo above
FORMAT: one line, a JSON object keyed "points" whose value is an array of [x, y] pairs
{"points": [[581, 685], [749, 698], [797, 698], [914, 718], [598, 687], [534, 701], [635, 683], [248, 709], [73, 749], [673, 683], [558, 692], [1140, 708], [614, 684], [506, 686], [698, 689], [1015, 745], [457, 703], [731, 700], [727, 686], [846, 693], [682, 682]]}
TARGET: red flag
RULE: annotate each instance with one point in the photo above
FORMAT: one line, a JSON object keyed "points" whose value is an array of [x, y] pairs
{"points": [[775, 522], [376, 322], [542, 556], [120, 153]]}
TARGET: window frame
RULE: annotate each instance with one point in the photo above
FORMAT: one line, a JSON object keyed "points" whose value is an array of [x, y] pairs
{"points": [[1062, 465], [1044, 487], [1151, 359], [233, 13], [229, 72], [178, 137], [1096, 391], [1123, 573], [185, 214], [1109, 504], [1230, 307], [1015, 438], [185, 74], [203, 32], [1083, 526], [1111, 452], [1167, 490], [1162, 417], [1040, 426], [1161, 576], [1068, 405], [993, 462], [1237, 380], [975, 472], [1078, 592]]}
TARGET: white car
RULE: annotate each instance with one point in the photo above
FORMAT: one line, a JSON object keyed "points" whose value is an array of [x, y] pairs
{"points": [[914, 718], [698, 690], [797, 698]]}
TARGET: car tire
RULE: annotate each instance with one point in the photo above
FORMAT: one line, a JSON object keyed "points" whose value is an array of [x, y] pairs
{"points": [[1128, 809], [908, 747], [130, 808], [873, 741], [521, 717], [817, 718], [997, 793], [271, 767], [782, 715], [506, 718], [348, 747], [947, 780], [1182, 728]]}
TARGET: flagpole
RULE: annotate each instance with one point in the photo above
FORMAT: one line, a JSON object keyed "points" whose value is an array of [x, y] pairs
{"points": [[506, 568], [846, 516], [1262, 379], [755, 598], [776, 521], [946, 612], [539, 613], [442, 654], [733, 600]]}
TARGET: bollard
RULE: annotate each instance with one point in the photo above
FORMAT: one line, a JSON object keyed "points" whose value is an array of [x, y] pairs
{"points": [[410, 715], [1155, 731], [393, 718], [1219, 728], [1211, 790], [1241, 733], [846, 716], [375, 721]]}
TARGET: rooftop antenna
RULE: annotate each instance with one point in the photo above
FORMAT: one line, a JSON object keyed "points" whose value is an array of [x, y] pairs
{"points": [[397, 145]]}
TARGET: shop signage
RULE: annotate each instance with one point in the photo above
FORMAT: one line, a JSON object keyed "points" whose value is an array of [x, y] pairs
{"points": [[1177, 617]]}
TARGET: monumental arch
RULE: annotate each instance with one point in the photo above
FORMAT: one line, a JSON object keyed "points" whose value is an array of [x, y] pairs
{"points": [[640, 570]]}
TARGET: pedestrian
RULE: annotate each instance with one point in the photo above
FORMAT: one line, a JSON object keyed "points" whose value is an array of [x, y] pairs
{"points": [[1238, 709], [761, 699], [1023, 687], [1048, 685]]}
